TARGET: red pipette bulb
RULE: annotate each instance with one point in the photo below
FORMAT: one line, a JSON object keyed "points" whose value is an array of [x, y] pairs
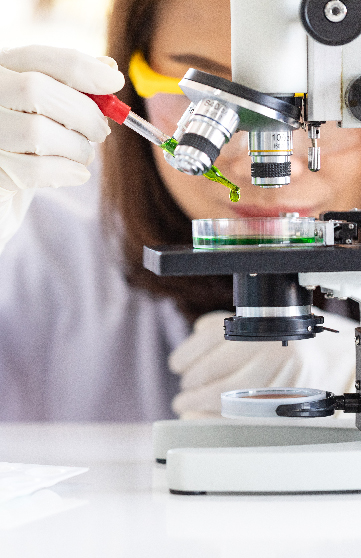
{"points": [[111, 107]]}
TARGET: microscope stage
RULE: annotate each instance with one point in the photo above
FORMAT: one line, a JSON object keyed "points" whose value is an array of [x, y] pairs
{"points": [[185, 260]]}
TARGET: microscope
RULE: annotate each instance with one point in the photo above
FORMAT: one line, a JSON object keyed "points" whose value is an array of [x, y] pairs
{"points": [[295, 64]]}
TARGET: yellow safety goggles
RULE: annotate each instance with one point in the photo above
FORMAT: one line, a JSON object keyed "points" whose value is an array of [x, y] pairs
{"points": [[146, 82]]}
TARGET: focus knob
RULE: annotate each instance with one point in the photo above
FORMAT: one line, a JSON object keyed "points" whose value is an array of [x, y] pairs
{"points": [[353, 98], [332, 23]]}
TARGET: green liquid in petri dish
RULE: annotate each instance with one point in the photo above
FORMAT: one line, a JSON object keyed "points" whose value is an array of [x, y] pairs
{"points": [[212, 241], [213, 173]]}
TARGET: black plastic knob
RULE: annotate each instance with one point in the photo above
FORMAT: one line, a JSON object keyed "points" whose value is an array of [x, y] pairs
{"points": [[333, 33], [353, 98]]}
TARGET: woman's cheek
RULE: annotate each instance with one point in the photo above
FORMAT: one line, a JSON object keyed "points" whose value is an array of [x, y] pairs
{"points": [[165, 110]]}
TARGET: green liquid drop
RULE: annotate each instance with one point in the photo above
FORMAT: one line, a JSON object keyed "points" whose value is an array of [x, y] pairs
{"points": [[213, 173]]}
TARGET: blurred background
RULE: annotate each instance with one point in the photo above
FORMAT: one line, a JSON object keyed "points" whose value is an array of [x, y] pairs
{"points": [[79, 24]]}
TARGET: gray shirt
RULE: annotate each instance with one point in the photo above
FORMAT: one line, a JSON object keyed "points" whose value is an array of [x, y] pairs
{"points": [[76, 342]]}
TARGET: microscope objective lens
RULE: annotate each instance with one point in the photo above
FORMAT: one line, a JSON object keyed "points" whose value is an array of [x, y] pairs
{"points": [[213, 174]]}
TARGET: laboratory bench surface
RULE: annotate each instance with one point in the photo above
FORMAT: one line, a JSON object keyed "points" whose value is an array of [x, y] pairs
{"points": [[121, 507]]}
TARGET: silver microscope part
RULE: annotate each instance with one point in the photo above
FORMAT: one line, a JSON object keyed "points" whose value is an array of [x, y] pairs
{"points": [[335, 11], [272, 311], [325, 232], [270, 182], [191, 161], [170, 159], [178, 134], [183, 122], [145, 129], [217, 116], [270, 153], [196, 92], [314, 153], [211, 122], [314, 158]]}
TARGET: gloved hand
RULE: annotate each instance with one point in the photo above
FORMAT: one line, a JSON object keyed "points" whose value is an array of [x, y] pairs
{"points": [[46, 123], [209, 365]]}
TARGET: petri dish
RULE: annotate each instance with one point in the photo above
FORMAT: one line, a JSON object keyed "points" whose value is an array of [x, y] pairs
{"points": [[253, 231], [263, 402]]}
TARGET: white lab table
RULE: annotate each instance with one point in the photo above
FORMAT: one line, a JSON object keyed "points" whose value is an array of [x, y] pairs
{"points": [[121, 507]]}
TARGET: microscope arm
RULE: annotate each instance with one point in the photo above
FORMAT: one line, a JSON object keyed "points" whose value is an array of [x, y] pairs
{"points": [[341, 284]]}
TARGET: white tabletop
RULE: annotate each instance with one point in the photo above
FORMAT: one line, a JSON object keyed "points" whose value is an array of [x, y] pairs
{"points": [[121, 507]]}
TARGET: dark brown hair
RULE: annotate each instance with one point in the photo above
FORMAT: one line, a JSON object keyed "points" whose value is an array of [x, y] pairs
{"points": [[134, 189]]}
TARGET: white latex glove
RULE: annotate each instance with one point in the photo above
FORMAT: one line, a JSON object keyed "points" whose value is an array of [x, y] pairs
{"points": [[46, 124], [209, 365]]}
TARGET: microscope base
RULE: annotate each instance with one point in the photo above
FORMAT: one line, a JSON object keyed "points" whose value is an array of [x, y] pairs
{"points": [[259, 456], [313, 468]]}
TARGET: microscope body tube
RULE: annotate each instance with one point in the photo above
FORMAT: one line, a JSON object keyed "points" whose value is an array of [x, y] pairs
{"points": [[269, 46], [269, 54]]}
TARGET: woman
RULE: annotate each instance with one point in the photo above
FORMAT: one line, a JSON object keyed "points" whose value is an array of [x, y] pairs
{"points": [[86, 331]]}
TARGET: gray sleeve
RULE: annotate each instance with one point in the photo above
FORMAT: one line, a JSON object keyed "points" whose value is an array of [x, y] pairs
{"points": [[76, 342]]}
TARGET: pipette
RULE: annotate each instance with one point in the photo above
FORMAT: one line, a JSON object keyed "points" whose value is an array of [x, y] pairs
{"points": [[121, 113]]}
